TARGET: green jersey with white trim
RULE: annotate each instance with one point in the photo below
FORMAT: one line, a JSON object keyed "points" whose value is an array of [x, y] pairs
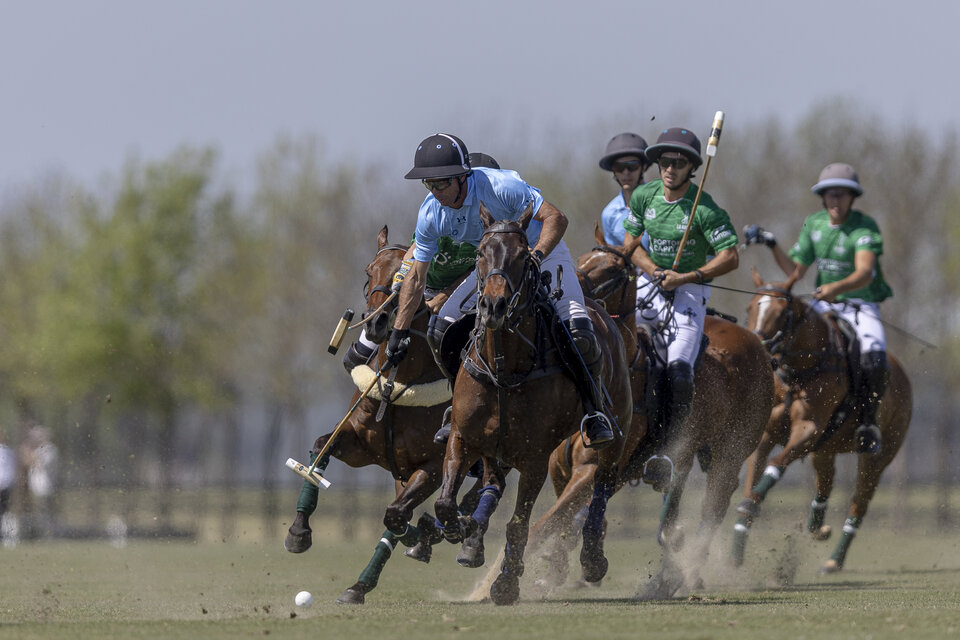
{"points": [[665, 222], [834, 248], [453, 259]]}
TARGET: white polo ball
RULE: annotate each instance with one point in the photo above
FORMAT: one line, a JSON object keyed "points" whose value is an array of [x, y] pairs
{"points": [[304, 599]]}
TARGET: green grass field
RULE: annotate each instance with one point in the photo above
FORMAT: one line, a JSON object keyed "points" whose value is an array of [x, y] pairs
{"points": [[900, 583]]}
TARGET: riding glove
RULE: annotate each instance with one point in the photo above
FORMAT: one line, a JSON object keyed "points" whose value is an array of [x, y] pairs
{"points": [[397, 347], [755, 234]]}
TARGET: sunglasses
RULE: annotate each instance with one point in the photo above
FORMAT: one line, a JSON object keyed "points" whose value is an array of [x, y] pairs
{"points": [[437, 185], [679, 163], [626, 165]]}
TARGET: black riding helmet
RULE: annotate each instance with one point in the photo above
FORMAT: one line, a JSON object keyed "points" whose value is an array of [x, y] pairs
{"points": [[440, 156], [482, 160], [676, 139], [623, 144]]}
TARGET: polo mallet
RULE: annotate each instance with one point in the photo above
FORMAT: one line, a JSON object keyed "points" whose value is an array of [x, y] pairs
{"points": [[310, 474], [342, 326], [711, 151], [303, 471]]}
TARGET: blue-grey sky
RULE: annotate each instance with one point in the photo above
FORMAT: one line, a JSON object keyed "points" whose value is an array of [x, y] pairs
{"points": [[87, 84]]}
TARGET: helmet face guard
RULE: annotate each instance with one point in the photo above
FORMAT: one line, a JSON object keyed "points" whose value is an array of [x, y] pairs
{"points": [[623, 144], [835, 175], [440, 156], [676, 139]]}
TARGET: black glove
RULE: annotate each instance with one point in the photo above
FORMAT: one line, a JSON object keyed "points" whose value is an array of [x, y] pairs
{"points": [[755, 234], [397, 347]]}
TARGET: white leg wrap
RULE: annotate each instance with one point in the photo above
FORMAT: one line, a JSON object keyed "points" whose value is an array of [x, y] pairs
{"points": [[772, 471], [387, 542]]}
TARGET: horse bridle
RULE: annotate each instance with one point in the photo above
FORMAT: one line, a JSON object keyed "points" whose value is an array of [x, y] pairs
{"points": [[622, 277], [384, 289], [531, 271], [777, 344]]}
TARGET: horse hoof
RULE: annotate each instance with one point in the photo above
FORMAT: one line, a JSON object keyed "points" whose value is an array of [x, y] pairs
{"points": [[821, 534], [471, 553], [594, 566], [421, 552], [505, 590], [830, 566], [354, 595], [298, 539]]}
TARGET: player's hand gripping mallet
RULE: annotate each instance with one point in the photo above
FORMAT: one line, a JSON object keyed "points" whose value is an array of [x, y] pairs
{"points": [[711, 151]]}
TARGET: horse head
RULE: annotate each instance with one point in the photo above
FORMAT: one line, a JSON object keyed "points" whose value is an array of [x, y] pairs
{"points": [[379, 278], [606, 275], [774, 313], [504, 264]]}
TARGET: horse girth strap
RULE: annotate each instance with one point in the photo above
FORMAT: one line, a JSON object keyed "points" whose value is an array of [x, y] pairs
{"points": [[502, 424]]}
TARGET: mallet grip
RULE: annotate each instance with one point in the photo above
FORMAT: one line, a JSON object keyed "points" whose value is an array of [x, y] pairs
{"points": [[715, 132], [303, 471]]}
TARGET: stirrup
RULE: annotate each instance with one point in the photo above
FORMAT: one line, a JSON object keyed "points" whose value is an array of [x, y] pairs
{"points": [[868, 439], [602, 430], [443, 433], [658, 472]]}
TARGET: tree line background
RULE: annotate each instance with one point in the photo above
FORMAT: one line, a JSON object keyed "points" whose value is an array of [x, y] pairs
{"points": [[170, 325]]}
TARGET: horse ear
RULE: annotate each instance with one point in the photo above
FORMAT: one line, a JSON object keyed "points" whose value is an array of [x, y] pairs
{"points": [[526, 216], [757, 280], [382, 238], [598, 234], [486, 216]]}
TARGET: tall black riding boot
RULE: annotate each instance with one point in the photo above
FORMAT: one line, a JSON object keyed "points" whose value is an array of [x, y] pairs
{"points": [[875, 375], [595, 422], [658, 470]]}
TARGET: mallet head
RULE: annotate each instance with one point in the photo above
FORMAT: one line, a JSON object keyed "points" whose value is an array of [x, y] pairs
{"points": [[340, 331]]}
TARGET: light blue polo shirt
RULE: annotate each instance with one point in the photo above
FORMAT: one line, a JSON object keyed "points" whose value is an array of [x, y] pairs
{"points": [[503, 192], [611, 221]]}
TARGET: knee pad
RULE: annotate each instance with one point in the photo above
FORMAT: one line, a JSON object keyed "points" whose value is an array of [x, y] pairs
{"points": [[585, 340], [436, 328]]}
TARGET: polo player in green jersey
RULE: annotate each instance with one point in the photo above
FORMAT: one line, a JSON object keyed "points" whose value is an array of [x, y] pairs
{"points": [[846, 246], [662, 208]]}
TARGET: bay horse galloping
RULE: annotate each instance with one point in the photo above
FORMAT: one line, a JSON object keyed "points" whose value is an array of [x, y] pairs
{"points": [[400, 439], [513, 401], [816, 414], [733, 399]]}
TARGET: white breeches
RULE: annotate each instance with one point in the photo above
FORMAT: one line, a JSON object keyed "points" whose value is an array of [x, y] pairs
{"points": [[865, 318], [678, 333], [570, 305]]}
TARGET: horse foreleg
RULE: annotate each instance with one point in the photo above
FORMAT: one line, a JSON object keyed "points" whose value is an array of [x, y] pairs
{"points": [[868, 477], [824, 470], [421, 484], [455, 468], [299, 535], [592, 559], [506, 588], [484, 504], [668, 534]]}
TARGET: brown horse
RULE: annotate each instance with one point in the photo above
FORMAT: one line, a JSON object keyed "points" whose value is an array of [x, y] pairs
{"points": [[401, 441], [813, 414], [734, 395], [514, 403]]}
